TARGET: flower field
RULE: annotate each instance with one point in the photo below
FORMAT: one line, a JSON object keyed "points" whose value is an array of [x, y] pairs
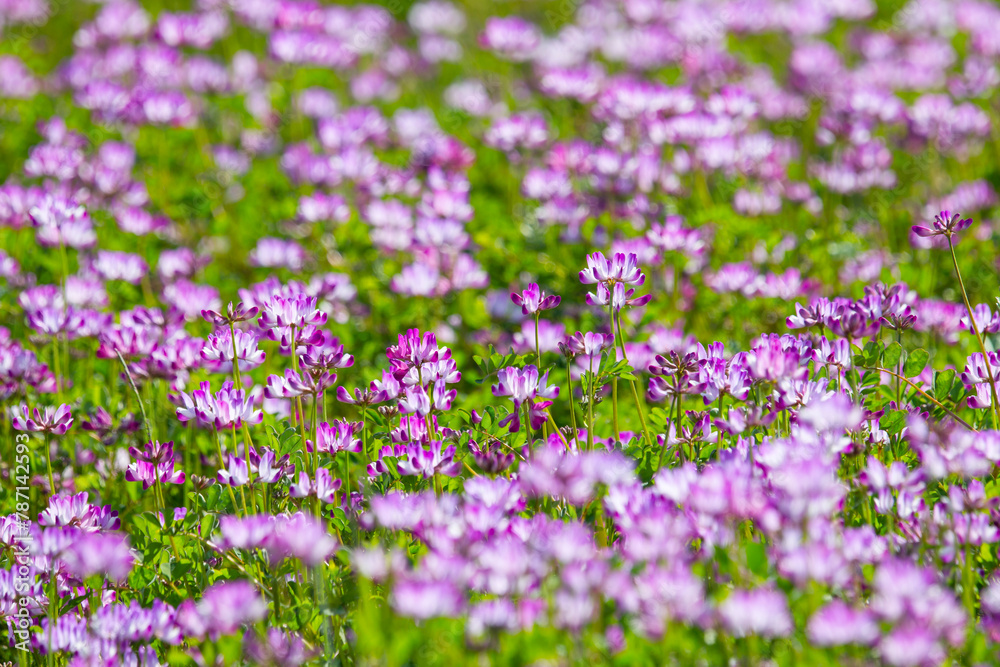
{"points": [[569, 332]]}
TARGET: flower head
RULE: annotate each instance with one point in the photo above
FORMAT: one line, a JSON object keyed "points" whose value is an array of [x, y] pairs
{"points": [[43, 420], [338, 437], [945, 224], [533, 300], [232, 315], [298, 310], [154, 463], [236, 473]]}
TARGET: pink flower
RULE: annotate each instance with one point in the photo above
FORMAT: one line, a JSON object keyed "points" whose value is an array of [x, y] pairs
{"points": [[945, 224], [43, 420], [294, 311], [324, 487], [338, 437], [236, 472], [533, 300]]}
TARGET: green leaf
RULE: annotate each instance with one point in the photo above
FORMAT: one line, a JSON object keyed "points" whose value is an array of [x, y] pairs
{"points": [[872, 352], [288, 442], [212, 496], [340, 520], [392, 465], [172, 570], [71, 603], [892, 355], [207, 523], [916, 361], [141, 523], [757, 558], [943, 382], [893, 421]]}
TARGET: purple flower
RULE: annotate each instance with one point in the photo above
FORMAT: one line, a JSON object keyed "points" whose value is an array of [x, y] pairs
{"points": [[511, 36], [525, 386], [232, 315], [414, 350], [222, 610], [324, 487], [329, 354], [985, 319], [121, 266], [310, 383], [43, 420], [219, 347], [268, 467], [427, 599], [63, 222], [490, 457], [820, 312], [364, 397], [236, 473], [588, 344], [980, 369], [945, 224], [429, 462], [533, 300], [294, 311], [611, 276], [415, 401], [154, 463], [620, 268], [67, 510], [301, 536], [760, 612], [419, 279], [338, 437], [229, 408], [278, 647], [129, 341], [274, 252], [617, 297], [107, 554], [837, 624], [491, 615], [911, 646]]}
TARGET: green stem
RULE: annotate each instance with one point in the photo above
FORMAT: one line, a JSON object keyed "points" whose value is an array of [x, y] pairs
{"points": [[572, 403], [614, 382], [677, 428], [313, 427], [924, 394], [222, 464], [53, 614], [48, 465], [135, 390], [56, 366], [364, 435], [538, 362], [65, 272], [614, 410], [529, 436], [899, 371], [968, 584], [635, 389], [243, 494], [590, 407], [557, 431], [236, 361], [975, 330], [663, 451]]}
